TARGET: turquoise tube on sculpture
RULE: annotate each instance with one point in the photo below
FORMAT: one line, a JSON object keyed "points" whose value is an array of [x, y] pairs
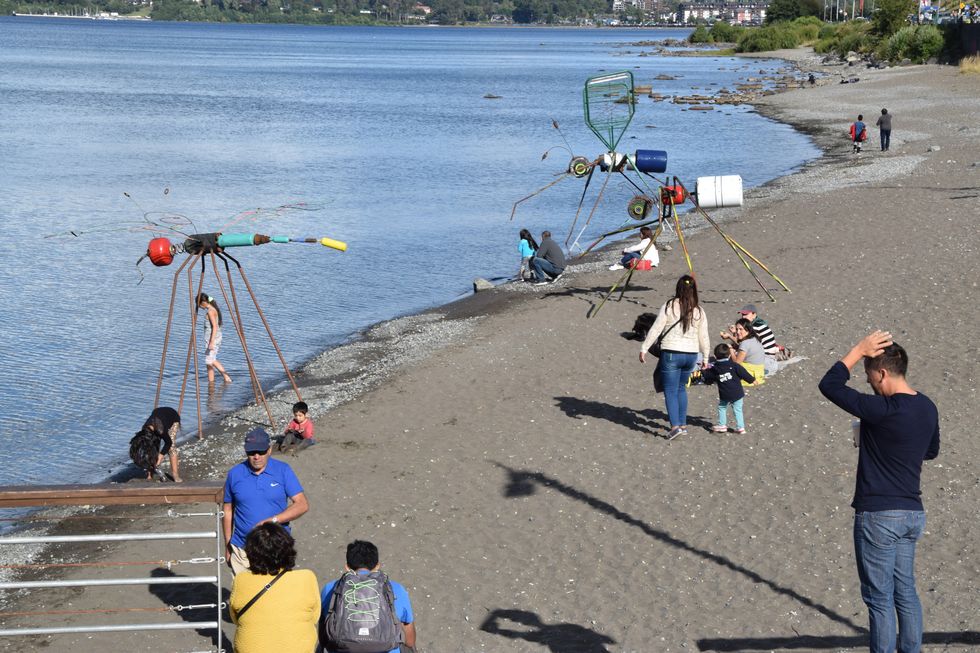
{"points": [[236, 240]]}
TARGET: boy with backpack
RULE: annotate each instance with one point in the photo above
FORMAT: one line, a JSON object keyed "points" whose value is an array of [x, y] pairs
{"points": [[859, 134], [726, 373], [364, 611]]}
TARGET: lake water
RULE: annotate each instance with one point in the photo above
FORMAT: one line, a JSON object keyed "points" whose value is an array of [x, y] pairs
{"points": [[384, 130]]}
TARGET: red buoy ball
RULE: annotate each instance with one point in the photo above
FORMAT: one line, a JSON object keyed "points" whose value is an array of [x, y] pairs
{"points": [[161, 252]]}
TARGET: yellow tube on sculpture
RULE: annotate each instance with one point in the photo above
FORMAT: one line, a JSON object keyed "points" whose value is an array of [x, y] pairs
{"points": [[338, 245]]}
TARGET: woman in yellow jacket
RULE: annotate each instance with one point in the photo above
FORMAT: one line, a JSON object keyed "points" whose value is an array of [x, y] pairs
{"points": [[283, 618]]}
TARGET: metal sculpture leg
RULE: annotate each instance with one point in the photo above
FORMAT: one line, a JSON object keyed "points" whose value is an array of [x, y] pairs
{"points": [[166, 335], [239, 327]]}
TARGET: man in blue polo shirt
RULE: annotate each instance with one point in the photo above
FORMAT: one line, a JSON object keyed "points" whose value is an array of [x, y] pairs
{"points": [[899, 429], [257, 490]]}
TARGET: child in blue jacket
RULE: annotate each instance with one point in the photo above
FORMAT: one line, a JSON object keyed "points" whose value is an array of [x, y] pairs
{"points": [[726, 373]]}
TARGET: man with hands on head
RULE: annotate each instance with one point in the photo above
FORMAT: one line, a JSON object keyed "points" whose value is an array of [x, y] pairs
{"points": [[899, 429], [259, 489]]}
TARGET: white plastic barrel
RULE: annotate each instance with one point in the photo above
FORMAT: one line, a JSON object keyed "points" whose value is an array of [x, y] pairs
{"points": [[719, 192]]}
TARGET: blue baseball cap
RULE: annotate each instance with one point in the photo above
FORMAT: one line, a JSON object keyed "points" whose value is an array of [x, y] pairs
{"points": [[257, 440]]}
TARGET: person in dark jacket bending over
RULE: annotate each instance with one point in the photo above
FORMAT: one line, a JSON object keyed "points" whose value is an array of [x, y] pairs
{"points": [[548, 261], [899, 429]]}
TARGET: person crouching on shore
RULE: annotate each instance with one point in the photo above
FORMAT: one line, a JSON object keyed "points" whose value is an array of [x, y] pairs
{"points": [[155, 440]]}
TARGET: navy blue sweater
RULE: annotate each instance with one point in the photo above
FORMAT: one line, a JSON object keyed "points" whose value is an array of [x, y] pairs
{"points": [[726, 373], [897, 434]]}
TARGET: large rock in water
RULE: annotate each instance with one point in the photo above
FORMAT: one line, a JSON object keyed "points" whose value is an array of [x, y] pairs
{"points": [[481, 284]]}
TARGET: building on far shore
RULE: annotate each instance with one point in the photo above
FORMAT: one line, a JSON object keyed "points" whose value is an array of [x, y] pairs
{"points": [[743, 12]]}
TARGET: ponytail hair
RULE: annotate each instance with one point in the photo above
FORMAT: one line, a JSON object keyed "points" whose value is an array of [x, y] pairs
{"points": [[686, 293], [204, 298]]}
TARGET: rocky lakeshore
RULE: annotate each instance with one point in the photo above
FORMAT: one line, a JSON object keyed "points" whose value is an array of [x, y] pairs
{"points": [[508, 455]]}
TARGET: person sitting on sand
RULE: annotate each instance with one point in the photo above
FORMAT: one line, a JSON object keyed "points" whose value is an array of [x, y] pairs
{"points": [[726, 373], [749, 352], [299, 431], [155, 440], [549, 261], [760, 327], [527, 246], [642, 249]]}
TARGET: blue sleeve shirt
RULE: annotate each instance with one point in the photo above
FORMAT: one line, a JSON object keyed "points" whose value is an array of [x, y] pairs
{"points": [[897, 434], [255, 497], [525, 249], [403, 606]]}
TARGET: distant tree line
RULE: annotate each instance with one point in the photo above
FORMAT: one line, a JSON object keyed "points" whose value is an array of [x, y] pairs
{"points": [[343, 12]]}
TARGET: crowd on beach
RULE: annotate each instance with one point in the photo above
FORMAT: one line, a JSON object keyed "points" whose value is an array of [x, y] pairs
{"points": [[279, 607], [896, 429]]}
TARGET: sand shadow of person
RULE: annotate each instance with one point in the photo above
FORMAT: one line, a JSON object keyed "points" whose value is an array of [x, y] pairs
{"points": [[187, 595], [560, 637]]}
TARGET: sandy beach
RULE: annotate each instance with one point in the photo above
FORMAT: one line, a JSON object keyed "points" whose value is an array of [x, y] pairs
{"points": [[508, 455]]}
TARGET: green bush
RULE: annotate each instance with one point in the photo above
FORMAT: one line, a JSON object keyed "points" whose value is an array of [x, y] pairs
{"points": [[700, 35], [828, 31], [722, 32], [918, 43]]}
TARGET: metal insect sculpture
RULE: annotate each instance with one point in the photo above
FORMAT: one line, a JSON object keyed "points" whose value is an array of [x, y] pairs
{"points": [[608, 106], [213, 248]]}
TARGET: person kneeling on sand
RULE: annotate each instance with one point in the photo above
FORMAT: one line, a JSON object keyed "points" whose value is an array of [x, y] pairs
{"points": [[642, 250], [359, 588], [549, 261]]}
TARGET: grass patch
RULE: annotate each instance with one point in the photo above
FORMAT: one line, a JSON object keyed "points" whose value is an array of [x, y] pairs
{"points": [[721, 52], [970, 65]]}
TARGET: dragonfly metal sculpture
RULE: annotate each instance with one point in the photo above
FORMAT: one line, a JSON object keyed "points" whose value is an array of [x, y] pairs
{"points": [[213, 248], [608, 106]]}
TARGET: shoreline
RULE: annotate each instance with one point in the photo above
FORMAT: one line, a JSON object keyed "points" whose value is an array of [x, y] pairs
{"points": [[437, 422]]}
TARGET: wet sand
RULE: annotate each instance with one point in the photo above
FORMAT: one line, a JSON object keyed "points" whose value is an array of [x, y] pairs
{"points": [[509, 457]]}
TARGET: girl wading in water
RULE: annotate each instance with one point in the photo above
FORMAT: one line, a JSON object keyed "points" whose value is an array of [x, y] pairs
{"points": [[212, 333]]}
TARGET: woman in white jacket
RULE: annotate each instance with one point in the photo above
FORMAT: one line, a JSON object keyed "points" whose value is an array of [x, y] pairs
{"points": [[640, 250], [682, 329]]}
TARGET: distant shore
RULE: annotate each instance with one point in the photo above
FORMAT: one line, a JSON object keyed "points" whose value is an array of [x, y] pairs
{"points": [[506, 432]]}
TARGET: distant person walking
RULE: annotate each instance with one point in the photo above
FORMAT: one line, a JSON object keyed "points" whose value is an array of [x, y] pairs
{"points": [[212, 336], [527, 246], [859, 134], [885, 129], [899, 429], [681, 329]]}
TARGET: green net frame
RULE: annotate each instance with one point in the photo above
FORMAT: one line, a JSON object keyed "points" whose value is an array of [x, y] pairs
{"points": [[609, 106]]}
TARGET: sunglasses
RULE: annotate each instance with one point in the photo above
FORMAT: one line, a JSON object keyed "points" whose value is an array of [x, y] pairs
{"points": [[257, 453]]}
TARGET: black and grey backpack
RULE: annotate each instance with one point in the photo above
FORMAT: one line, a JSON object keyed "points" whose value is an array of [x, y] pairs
{"points": [[361, 617]]}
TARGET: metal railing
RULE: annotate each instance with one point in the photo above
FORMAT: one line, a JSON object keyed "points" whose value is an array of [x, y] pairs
{"points": [[115, 495]]}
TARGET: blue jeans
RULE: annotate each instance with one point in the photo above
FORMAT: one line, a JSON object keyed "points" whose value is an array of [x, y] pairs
{"points": [[543, 268], [886, 138], [736, 408], [884, 546], [627, 257], [676, 368]]}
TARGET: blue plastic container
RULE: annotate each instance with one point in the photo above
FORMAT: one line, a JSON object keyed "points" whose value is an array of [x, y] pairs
{"points": [[651, 160]]}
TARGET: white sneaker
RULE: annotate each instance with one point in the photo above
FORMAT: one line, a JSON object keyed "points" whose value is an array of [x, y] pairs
{"points": [[616, 266]]}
